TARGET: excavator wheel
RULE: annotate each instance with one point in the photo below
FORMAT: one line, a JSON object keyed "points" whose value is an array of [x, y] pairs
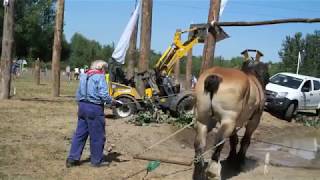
{"points": [[186, 105], [126, 110]]}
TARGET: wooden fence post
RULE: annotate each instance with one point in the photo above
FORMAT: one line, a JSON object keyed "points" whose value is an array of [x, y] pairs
{"points": [[37, 71]]}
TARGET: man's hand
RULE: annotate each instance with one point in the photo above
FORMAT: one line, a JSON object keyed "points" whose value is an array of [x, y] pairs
{"points": [[116, 103]]}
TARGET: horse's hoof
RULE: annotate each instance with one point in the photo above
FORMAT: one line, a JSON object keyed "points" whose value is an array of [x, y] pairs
{"points": [[198, 172], [214, 170], [241, 159], [232, 158]]}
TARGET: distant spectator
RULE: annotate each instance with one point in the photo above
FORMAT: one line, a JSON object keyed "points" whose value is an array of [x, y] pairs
{"points": [[68, 72], [82, 71], [193, 81], [14, 68], [76, 73], [86, 68]]}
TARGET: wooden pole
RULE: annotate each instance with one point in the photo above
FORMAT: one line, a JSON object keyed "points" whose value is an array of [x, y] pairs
{"points": [[189, 69], [56, 54], [7, 48], [132, 52], [177, 67], [266, 163], [210, 41], [145, 40], [270, 22], [177, 71], [37, 71]]}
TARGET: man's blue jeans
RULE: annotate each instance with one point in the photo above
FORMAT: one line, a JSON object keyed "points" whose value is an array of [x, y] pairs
{"points": [[91, 123]]}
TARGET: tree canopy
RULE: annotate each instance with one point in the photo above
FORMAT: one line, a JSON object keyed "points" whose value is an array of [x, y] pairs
{"points": [[308, 46], [83, 51]]}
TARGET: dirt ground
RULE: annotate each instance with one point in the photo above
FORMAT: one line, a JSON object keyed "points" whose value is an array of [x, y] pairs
{"points": [[36, 131]]}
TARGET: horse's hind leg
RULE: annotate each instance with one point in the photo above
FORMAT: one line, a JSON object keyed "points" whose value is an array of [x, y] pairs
{"points": [[234, 140], [225, 130], [245, 142], [199, 145]]}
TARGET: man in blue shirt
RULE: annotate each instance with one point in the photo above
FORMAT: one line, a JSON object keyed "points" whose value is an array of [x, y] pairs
{"points": [[91, 96]]}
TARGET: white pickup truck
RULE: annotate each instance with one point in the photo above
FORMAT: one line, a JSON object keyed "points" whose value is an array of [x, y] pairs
{"points": [[288, 93]]}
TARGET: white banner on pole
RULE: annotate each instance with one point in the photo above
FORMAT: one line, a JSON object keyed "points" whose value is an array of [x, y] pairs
{"points": [[222, 6], [120, 51], [299, 62], [5, 2]]}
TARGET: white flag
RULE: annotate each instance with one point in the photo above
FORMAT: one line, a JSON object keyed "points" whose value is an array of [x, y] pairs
{"points": [[222, 6], [299, 62], [119, 53], [5, 2]]}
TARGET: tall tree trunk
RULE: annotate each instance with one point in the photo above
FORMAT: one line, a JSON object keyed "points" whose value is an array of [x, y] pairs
{"points": [[37, 71], [145, 40], [7, 48], [132, 52], [210, 41], [56, 54], [189, 69]]}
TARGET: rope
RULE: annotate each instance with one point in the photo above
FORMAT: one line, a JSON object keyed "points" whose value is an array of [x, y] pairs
{"points": [[200, 156], [152, 146], [134, 174], [166, 138]]}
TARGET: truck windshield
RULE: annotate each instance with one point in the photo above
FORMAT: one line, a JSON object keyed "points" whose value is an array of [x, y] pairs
{"points": [[287, 81]]}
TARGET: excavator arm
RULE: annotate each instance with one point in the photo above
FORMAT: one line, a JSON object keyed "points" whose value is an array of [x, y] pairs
{"points": [[178, 49]]}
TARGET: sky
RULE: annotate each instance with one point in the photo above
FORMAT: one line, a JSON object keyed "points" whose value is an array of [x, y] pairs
{"points": [[105, 20]]}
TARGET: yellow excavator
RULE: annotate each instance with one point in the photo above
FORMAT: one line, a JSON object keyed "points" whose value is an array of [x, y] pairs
{"points": [[159, 86]]}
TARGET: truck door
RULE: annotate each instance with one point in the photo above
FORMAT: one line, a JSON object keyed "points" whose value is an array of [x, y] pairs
{"points": [[307, 95], [315, 98]]}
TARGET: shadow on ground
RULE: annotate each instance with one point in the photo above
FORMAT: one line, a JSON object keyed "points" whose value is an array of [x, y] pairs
{"points": [[231, 169], [110, 157]]}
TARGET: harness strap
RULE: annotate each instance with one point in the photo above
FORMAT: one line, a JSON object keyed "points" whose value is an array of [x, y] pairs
{"points": [[87, 79]]}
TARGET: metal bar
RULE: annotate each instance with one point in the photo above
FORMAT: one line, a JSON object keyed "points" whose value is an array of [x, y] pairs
{"points": [[165, 160]]}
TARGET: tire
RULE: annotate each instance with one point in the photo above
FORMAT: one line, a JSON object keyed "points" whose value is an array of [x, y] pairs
{"points": [[129, 108], [290, 111], [318, 112], [186, 105]]}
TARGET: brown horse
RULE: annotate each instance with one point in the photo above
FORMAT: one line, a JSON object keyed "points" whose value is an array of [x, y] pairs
{"points": [[232, 98]]}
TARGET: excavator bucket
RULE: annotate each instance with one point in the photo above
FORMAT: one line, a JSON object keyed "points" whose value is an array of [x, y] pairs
{"points": [[202, 30]]}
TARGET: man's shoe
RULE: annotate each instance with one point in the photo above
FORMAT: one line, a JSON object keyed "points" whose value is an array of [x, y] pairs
{"points": [[72, 163], [102, 164]]}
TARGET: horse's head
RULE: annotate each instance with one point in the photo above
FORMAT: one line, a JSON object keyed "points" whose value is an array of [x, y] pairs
{"points": [[259, 69]]}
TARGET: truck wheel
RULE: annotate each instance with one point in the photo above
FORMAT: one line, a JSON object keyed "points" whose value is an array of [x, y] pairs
{"points": [[290, 111], [318, 112], [125, 110], [186, 105]]}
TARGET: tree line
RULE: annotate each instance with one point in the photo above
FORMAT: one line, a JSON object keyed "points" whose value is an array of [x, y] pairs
{"points": [[34, 38]]}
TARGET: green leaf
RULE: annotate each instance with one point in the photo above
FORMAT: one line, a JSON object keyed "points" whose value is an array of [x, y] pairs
{"points": [[152, 165]]}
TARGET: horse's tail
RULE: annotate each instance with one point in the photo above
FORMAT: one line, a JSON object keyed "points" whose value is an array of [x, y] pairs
{"points": [[211, 84]]}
